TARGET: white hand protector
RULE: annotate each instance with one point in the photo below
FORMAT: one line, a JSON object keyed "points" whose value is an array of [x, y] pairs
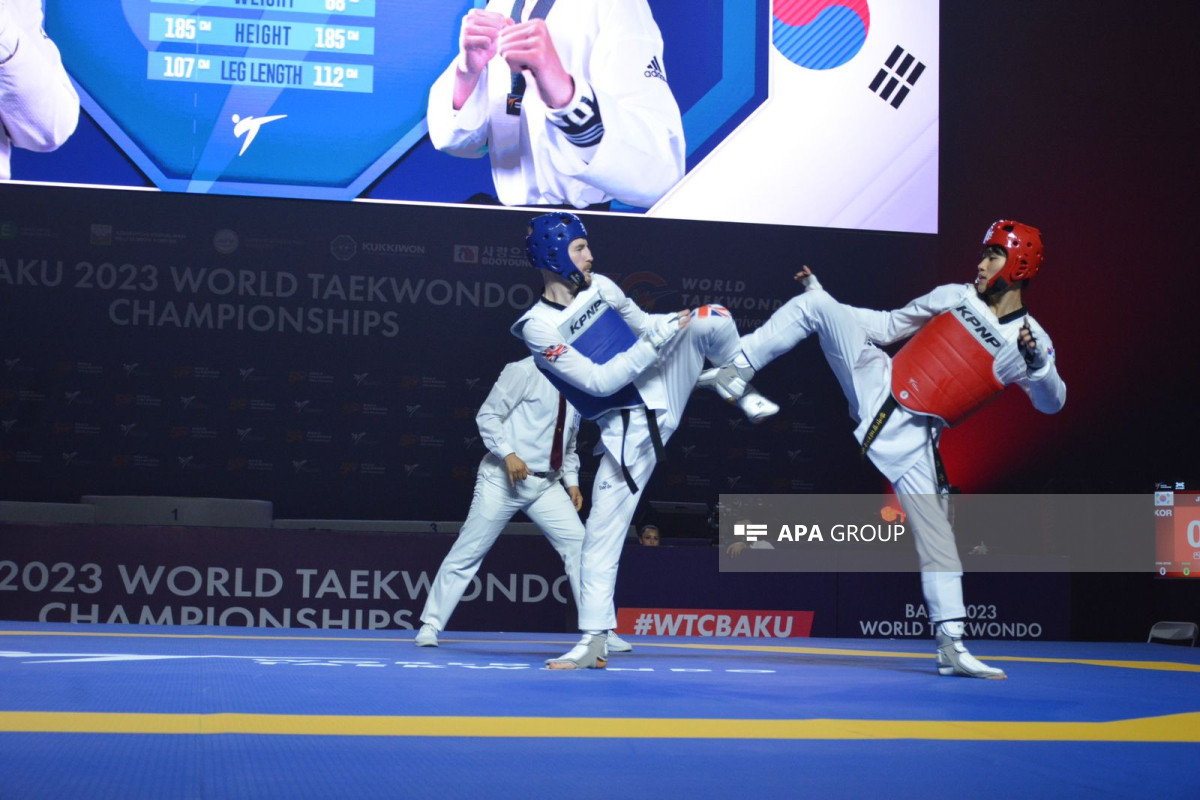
{"points": [[664, 331]]}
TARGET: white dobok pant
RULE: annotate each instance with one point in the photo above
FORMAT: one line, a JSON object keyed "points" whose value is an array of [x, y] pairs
{"points": [[546, 502], [864, 373], [708, 335]]}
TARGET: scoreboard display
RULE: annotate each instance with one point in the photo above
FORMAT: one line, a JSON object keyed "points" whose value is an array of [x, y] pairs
{"points": [[1177, 529]]}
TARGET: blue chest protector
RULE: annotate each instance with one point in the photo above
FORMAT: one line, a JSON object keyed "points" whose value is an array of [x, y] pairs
{"points": [[600, 333]]}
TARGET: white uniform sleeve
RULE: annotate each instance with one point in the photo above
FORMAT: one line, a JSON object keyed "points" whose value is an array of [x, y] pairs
{"points": [[886, 327], [462, 133], [1047, 391], [622, 131], [39, 108], [598, 380], [571, 454], [509, 390]]}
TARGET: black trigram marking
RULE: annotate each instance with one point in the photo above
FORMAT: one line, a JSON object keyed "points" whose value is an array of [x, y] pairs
{"points": [[900, 70]]}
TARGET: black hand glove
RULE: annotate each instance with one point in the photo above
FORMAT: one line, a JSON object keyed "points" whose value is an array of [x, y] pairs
{"points": [[1034, 354]]}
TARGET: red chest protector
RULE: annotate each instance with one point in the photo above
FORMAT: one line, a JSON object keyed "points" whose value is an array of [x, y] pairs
{"points": [[946, 370]]}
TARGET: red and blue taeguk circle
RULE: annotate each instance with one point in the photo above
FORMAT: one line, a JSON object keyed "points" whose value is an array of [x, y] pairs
{"points": [[820, 34]]}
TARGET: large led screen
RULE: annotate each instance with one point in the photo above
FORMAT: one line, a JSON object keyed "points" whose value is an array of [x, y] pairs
{"points": [[800, 112]]}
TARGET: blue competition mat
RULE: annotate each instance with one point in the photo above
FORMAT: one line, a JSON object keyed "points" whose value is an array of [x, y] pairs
{"points": [[137, 711]]}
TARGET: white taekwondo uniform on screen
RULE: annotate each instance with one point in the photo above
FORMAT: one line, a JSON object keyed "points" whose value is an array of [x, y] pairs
{"points": [[658, 386], [38, 105], [904, 448], [632, 150], [519, 416]]}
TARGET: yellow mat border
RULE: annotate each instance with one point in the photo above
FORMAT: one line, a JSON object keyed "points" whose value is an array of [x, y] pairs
{"points": [[1183, 728]]}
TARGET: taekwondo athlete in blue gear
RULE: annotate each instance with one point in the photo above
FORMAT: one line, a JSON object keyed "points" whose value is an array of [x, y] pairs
{"points": [[632, 373]]}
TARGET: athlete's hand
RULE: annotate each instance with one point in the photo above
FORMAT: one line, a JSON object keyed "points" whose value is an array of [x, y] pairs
{"points": [[665, 329], [576, 497], [478, 39], [528, 48], [518, 470], [1034, 354], [807, 279]]}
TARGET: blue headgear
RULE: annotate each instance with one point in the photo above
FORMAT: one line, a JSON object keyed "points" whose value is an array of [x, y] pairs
{"points": [[546, 245]]}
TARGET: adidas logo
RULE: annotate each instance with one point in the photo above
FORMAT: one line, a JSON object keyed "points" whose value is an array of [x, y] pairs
{"points": [[654, 70]]}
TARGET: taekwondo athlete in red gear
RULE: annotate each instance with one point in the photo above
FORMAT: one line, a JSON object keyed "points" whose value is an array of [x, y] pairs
{"points": [[569, 101], [632, 373], [520, 422], [38, 105], [968, 342]]}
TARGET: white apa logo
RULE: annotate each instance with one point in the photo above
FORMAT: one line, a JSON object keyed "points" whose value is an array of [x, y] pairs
{"points": [[9, 363], [187, 401], [751, 533], [8, 424], [409, 469], [471, 382], [300, 405], [249, 127], [71, 397], [356, 438], [127, 427], [242, 433], [412, 409], [246, 373], [129, 368], [359, 377]]}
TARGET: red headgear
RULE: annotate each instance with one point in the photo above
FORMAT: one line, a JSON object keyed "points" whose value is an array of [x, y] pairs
{"points": [[1023, 245]]}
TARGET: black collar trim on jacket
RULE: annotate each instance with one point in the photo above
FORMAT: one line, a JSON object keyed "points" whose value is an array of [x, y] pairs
{"points": [[1020, 312]]}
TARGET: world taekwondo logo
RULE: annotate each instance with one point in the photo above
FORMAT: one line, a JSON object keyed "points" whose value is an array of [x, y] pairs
{"points": [[249, 128]]}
